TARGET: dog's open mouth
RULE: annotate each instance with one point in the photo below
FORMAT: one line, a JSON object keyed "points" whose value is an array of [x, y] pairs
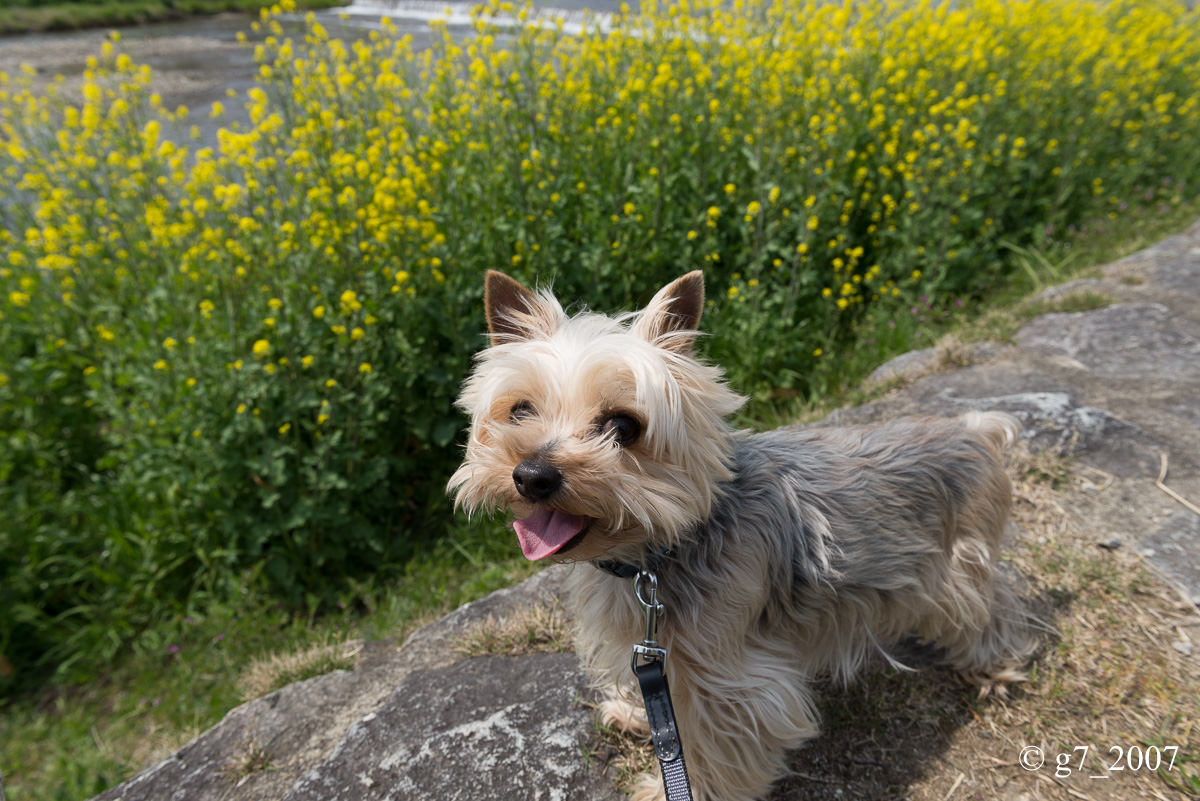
{"points": [[548, 531]]}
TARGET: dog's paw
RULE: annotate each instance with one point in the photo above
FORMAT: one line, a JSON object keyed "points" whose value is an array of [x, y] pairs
{"points": [[624, 716], [649, 787], [994, 684]]}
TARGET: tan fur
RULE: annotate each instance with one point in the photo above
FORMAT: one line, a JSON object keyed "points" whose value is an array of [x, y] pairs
{"points": [[788, 555]]}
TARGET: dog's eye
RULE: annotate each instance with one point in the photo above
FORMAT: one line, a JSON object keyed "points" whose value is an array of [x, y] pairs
{"points": [[622, 428], [520, 411]]}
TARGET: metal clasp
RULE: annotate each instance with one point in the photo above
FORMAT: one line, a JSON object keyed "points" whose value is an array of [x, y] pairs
{"points": [[645, 589]]}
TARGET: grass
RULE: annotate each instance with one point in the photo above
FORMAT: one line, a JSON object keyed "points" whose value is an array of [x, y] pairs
{"points": [[17, 18]]}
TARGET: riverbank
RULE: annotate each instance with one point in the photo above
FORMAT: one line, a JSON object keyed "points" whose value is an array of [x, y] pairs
{"points": [[18, 17]]}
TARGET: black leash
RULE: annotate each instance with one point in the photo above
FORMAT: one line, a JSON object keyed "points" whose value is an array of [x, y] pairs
{"points": [[648, 661]]}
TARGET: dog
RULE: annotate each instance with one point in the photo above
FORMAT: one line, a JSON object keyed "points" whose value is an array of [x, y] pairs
{"points": [[780, 557]]}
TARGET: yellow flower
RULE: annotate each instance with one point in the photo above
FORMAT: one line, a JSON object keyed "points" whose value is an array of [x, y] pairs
{"points": [[818, 352], [286, 427], [306, 362], [169, 343], [349, 302], [916, 274], [842, 303], [319, 312], [733, 292], [630, 209], [330, 383], [191, 382], [730, 188], [357, 333], [364, 368], [160, 365], [241, 409], [18, 298], [269, 369], [275, 303], [262, 349], [269, 322]]}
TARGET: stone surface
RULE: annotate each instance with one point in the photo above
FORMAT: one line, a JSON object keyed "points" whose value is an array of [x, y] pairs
{"points": [[471, 732], [300, 726], [1127, 340], [907, 365], [1052, 414], [1172, 547], [1071, 288]]}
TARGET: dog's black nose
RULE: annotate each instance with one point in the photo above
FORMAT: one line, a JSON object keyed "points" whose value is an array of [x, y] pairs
{"points": [[536, 481]]}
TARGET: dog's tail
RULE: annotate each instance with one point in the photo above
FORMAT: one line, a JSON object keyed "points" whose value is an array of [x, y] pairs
{"points": [[999, 429]]}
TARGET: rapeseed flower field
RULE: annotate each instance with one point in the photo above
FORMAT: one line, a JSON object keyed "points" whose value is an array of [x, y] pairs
{"points": [[234, 366]]}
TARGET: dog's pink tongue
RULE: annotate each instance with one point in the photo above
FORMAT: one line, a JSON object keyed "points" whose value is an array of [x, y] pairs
{"points": [[545, 531]]}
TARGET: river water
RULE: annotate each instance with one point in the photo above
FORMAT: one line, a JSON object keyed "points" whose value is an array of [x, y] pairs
{"points": [[195, 62]]}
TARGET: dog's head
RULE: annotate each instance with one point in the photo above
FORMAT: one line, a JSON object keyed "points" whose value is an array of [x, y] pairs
{"points": [[602, 435]]}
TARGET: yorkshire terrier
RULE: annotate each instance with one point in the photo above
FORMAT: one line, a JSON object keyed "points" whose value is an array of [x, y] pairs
{"points": [[781, 556]]}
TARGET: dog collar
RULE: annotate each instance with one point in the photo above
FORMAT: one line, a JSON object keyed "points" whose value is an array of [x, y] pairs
{"points": [[621, 570], [624, 570]]}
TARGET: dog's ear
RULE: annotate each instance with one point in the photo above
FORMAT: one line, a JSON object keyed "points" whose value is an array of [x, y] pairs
{"points": [[672, 317], [506, 301]]}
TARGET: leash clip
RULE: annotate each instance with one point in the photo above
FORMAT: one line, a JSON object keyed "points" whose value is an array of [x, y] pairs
{"points": [[649, 662], [649, 650]]}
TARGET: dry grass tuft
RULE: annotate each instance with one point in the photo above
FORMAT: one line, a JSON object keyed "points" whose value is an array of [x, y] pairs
{"points": [[276, 671], [542, 628], [250, 758], [623, 755]]}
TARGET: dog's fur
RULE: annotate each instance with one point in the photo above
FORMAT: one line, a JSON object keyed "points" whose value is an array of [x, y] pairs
{"points": [[780, 556]]}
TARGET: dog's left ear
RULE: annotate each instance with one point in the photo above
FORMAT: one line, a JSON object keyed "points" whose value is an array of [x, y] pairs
{"points": [[672, 317]]}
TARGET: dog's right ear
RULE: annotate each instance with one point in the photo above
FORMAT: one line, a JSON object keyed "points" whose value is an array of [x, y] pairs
{"points": [[672, 317], [505, 301]]}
